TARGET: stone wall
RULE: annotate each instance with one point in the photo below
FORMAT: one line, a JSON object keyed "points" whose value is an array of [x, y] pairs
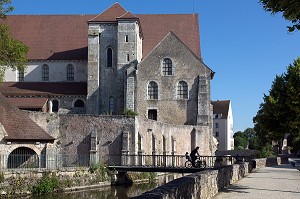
{"points": [[104, 135], [267, 162], [177, 139], [204, 184]]}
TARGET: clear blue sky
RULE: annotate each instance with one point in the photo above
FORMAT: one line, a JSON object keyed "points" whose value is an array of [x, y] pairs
{"points": [[244, 45]]}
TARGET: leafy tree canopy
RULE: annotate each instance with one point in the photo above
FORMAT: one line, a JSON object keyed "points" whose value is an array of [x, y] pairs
{"points": [[12, 51], [279, 114], [5, 8], [290, 10]]}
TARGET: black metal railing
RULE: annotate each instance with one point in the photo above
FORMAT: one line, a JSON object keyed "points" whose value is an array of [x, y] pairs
{"points": [[173, 160], [61, 161]]}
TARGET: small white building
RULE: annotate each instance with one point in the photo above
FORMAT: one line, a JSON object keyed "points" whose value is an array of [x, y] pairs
{"points": [[223, 124]]}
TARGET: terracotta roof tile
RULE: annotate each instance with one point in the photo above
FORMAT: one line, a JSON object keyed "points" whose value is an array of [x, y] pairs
{"points": [[111, 14], [64, 37], [18, 125], [51, 37], [43, 88], [156, 26], [127, 15], [29, 102]]}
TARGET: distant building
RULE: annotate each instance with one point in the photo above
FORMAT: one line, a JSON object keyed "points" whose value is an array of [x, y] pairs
{"points": [[223, 124]]}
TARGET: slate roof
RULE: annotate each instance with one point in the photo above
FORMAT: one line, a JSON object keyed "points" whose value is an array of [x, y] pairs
{"points": [[43, 88], [64, 37], [221, 107], [18, 125]]}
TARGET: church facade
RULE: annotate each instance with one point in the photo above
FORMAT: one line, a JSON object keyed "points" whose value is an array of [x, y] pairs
{"points": [[113, 63]]}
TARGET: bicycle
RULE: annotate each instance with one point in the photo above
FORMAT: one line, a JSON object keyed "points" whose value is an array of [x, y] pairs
{"points": [[198, 163]]}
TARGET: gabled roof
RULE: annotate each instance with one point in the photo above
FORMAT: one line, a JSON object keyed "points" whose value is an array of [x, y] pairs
{"points": [[221, 107], [110, 14], [65, 37], [43, 88], [156, 26], [18, 125], [128, 15]]}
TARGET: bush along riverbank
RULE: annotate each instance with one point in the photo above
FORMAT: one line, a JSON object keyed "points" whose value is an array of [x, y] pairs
{"points": [[39, 182], [24, 182]]}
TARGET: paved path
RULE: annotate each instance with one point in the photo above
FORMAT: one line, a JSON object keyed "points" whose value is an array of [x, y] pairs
{"points": [[278, 182]]}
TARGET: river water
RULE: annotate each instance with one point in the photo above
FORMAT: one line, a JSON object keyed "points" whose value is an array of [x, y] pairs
{"points": [[112, 192]]}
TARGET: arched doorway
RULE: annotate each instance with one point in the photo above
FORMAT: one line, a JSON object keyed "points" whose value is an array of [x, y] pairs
{"points": [[23, 157]]}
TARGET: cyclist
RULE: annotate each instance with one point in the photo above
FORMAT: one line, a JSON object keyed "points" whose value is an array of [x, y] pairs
{"points": [[194, 155]]}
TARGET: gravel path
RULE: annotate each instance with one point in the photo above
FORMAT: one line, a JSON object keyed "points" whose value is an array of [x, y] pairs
{"points": [[282, 182]]}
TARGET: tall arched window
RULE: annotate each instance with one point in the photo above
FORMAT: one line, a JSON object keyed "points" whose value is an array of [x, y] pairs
{"points": [[182, 90], [45, 73], [70, 73], [54, 106], [111, 105], [152, 90], [109, 57], [167, 66]]}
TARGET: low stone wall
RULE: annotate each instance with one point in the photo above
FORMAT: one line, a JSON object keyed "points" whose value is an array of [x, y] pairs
{"points": [[267, 162], [204, 184]]}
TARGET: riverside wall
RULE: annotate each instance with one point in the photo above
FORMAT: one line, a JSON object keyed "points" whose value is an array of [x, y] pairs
{"points": [[204, 184]]}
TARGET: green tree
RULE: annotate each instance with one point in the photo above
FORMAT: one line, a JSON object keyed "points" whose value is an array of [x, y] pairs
{"points": [[290, 10], [246, 139], [240, 140], [279, 113], [5, 8], [12, 51]]}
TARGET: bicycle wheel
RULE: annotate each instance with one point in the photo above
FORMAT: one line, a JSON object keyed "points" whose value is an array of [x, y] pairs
{"points": [[188, 164]]}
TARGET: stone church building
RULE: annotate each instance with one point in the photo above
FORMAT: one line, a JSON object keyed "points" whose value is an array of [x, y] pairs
{"points": [[91, 69]]}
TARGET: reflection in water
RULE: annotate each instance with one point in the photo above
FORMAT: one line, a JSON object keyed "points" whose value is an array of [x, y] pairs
{"points": [[111, 192]]}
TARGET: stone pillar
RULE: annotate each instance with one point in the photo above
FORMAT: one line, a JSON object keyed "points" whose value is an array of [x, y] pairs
{"points": [[204, 112], [94, 156], [125, 148], [50, 106], [92, 105], [154, 152]]}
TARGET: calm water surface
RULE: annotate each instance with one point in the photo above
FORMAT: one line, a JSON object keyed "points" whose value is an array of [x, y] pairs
{"points": [[111, 192]]}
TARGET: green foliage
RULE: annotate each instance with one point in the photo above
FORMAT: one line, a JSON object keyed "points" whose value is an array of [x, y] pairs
{"points": [[290, 10], [240, 140], [279, 114], [100, 170], [12, 51], [48, 183], [129, 112], [267, 152], [5, 8]]}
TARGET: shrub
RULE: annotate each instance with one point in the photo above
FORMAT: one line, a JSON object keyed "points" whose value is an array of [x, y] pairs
{"points": [[48, 183], [267, 151], [129, 112]]}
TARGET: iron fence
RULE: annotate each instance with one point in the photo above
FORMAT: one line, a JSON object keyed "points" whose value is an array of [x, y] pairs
{"points": [[178, 161], [64, 162]]}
